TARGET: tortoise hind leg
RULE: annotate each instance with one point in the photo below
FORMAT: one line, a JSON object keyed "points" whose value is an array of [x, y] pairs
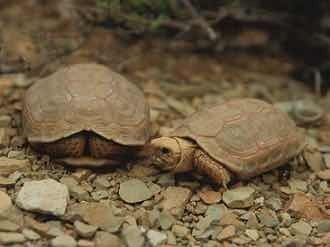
{"points": [[205, 164]]}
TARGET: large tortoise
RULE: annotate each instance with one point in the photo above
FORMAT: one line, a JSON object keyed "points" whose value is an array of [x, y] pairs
{"points": [[242, 138], [86, 114]]}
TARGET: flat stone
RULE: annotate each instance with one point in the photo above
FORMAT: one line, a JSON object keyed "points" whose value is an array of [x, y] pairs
{"points": [[252, 233], [5, 203], [8, 166], [84, 230], [133, 236], [227, 232], [274, 203], [180, 231], [323, 226], [210, 196], [45, 196], [11, 238], [297, 185], [231, 219], [16, 154], [216, 212], [156, 238], [97, 214], [76, 191], [325, 174], [101, 182], [175, 199], [30, 234], [134, 190], [99, 195], [267, 217], [241, 197], [300, 228], [106, 239], [63, 241], [166, 220], [8, 226]]}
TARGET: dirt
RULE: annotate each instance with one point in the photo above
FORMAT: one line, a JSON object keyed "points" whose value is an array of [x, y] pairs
{"points": [[37, 39]]}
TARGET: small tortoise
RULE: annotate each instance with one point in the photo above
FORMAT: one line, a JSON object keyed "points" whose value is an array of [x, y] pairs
{"points": [[86, 114], [242, 138]]}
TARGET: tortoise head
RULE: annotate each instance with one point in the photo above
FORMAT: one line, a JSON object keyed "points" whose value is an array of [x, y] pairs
{"points": [[173, 154]]}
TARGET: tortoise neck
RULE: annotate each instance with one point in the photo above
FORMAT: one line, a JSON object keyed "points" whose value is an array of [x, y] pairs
{"points": [[187, 149]]}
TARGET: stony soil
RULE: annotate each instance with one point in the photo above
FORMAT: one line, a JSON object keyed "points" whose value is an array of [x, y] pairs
{"points": [[43, 203]]}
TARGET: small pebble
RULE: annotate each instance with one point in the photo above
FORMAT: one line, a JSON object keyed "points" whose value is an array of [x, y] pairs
{"points": [[84, 230], [134, 190], [300, 228], [63, 241], [241, 197]]}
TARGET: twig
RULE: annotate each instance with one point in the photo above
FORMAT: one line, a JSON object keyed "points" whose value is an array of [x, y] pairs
{"points": [[201, 21]]}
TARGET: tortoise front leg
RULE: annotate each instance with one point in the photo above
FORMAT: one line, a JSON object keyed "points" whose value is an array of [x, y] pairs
{"points": [[205, 164]]}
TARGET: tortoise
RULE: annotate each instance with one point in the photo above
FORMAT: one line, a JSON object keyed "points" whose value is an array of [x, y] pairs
{"points": [[240, 138], [86, 115]]}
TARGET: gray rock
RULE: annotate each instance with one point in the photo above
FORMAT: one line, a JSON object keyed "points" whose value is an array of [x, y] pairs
{"points": [[216, 212], [84, 230], [63, 241], [323, 226], [166, 220], [101, 182], [241, 197], [45, 196], [76, 191], [99, 195], [11, 238], [274, 203], [134, 190], [252, 233], [156, 238], [297, 185], [30, 234], [267, 217], [175, 199], [85, 243], [166, 179], [133, 236], [16, 154], [300, 228], [106, 239], [180, 231]]}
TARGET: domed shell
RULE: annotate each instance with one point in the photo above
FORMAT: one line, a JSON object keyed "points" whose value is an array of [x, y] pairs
{"points": [[248, 136], [87, 97]]}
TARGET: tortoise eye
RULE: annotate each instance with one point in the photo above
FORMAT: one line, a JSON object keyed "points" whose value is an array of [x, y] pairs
{"points": [[164, 150]]}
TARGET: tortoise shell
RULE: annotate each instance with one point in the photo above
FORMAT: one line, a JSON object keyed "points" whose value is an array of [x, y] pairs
{"points": [[85, 97], [248, 136]]}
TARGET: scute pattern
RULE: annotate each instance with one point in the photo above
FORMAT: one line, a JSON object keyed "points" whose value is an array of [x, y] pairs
{"points": [[248, 136], [87, 97]]}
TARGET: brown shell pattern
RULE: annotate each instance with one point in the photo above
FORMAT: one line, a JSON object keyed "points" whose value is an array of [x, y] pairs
{"points": [[248, 136], [87, 97]]}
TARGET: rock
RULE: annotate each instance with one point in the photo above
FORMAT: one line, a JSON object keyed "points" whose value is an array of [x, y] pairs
{"points": [[105, 239], [166, 179], [180, 231], [252, 221], [326, 158], [99, 195], [267, 217], [156, 238], [286, 219], [63, 241], [8, 166], [230, 219], [252, 233], [5, 204], [227, 232], [5, 121], [306, 206], [323, 226], [76, 191], [30, 234], [4, 138], [285, 231], [85, 243], [297, 185], [300, 228], [175, 199], [210, 196], [11, 238], [133, 236], [274, 203], [45, 196], [84, 230], [325, 174], [42, 228], [8, 226], [216, 212], [101, 182], [16, 154], [166, 220], [97, 214], [241, 197], [134, 190]]}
